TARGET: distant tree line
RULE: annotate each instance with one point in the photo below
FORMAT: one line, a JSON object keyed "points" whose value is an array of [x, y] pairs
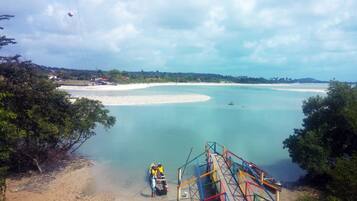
{"points": [[126, 77], [326, 145], [39, 123]]}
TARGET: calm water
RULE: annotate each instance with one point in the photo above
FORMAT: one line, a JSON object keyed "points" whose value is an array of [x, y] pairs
{"points": [[253, 128]]}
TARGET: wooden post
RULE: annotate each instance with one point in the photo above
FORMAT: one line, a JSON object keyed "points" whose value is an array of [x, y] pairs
{"points": [[262, 177], [179, 176], [277, 195]]}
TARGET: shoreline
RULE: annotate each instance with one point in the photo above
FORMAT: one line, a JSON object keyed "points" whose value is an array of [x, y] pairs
{"points": [[125, 87], [130, 100], [80, 179]]}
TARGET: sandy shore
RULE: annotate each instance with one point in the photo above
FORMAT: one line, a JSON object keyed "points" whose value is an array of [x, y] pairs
{"points": [[301, 90], [153, 99], [78, 181], [182, 98], [123, 87]]}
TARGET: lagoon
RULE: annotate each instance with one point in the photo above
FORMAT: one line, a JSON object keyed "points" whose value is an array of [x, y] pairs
{"points": [[254, 128]]}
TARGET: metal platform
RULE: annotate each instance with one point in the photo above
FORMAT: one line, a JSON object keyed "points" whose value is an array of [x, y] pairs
{"points": [[220, 175], [224, 174]]}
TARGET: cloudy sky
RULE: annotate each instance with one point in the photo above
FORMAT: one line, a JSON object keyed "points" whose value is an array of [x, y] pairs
{"points": [[304, 38]]}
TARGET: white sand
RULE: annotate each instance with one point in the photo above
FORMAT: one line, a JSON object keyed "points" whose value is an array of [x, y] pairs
{"points": [[184, 98], [152, 99], [123, 87], [302, 90]]}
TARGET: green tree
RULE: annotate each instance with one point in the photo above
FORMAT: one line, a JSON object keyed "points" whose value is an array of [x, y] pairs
{"points": [[116, 76], [4, 116], [328, 139], [344, 178], [52, 124], [38, 122]]}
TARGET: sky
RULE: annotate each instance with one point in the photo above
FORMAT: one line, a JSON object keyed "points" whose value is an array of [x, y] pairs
{"points": [[268, 38]]}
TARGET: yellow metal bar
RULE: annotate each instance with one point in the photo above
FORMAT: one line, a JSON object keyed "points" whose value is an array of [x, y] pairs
{"points": [[264, 182], [193, 179]]}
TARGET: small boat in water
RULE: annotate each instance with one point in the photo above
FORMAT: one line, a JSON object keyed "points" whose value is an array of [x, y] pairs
{"points": [[231, 103]]}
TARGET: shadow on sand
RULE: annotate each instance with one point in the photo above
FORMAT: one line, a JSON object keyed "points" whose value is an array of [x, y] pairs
{"points": [[285, 171]]}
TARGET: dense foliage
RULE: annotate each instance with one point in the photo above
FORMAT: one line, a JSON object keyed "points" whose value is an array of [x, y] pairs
{"points": [[326, 146], [4, 114], [38, 122], [156, 76], [125, 77]]}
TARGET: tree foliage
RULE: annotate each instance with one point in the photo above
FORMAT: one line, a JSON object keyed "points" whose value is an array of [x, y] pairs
{"points": [[38, 122], [46, 121], [326, 146]]}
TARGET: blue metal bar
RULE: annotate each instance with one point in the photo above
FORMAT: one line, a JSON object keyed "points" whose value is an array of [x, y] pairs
{"points": [[199, 183]]}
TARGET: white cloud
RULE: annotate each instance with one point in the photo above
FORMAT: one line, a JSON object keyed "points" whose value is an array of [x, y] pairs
{"points": [[246, 7], [115, 37], [206, 36]]}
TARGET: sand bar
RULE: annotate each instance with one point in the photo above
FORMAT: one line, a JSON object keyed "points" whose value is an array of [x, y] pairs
{"points": [[148, 100], [301, 90], [319, 88]]}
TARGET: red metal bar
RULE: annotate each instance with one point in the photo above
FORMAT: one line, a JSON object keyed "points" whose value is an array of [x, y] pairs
{"points": [[221, 187], [214, 196], [254, 184]]}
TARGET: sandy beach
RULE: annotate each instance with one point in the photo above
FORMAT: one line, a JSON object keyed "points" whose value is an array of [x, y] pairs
{"points": [[78, 181], [182, 98], [124, 87], [146, 100]]}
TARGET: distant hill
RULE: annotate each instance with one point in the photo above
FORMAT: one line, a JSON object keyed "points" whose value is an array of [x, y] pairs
{"points": [[125, 77]]}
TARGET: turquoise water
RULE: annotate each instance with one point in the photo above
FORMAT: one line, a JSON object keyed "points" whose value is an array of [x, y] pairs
{"points": [[253, 128]]}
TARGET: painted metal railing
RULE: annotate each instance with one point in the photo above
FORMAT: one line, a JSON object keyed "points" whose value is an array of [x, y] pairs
{"points": [[251, 170], [249, 178]]}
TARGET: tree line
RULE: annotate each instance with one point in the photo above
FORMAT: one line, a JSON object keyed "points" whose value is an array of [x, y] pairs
{"points": [[127, 77]]}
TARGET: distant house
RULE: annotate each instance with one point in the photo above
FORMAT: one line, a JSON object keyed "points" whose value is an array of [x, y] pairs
{"points": [[52, 77]]}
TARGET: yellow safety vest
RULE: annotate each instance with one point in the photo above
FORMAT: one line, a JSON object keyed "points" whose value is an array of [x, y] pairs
{"points": [[161, 169], [153, 172]]}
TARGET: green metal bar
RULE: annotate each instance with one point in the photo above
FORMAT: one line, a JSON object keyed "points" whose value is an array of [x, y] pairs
{"points": [[193, 159]]}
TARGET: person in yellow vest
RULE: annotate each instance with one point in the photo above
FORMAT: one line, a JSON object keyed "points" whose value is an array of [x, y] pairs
{"points": [[154, 171], [153, 176], [160, 169], [161, 175]]}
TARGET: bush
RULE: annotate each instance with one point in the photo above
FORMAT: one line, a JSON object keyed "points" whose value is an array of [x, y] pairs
{"points": [[344, 178], [326, 146]]}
